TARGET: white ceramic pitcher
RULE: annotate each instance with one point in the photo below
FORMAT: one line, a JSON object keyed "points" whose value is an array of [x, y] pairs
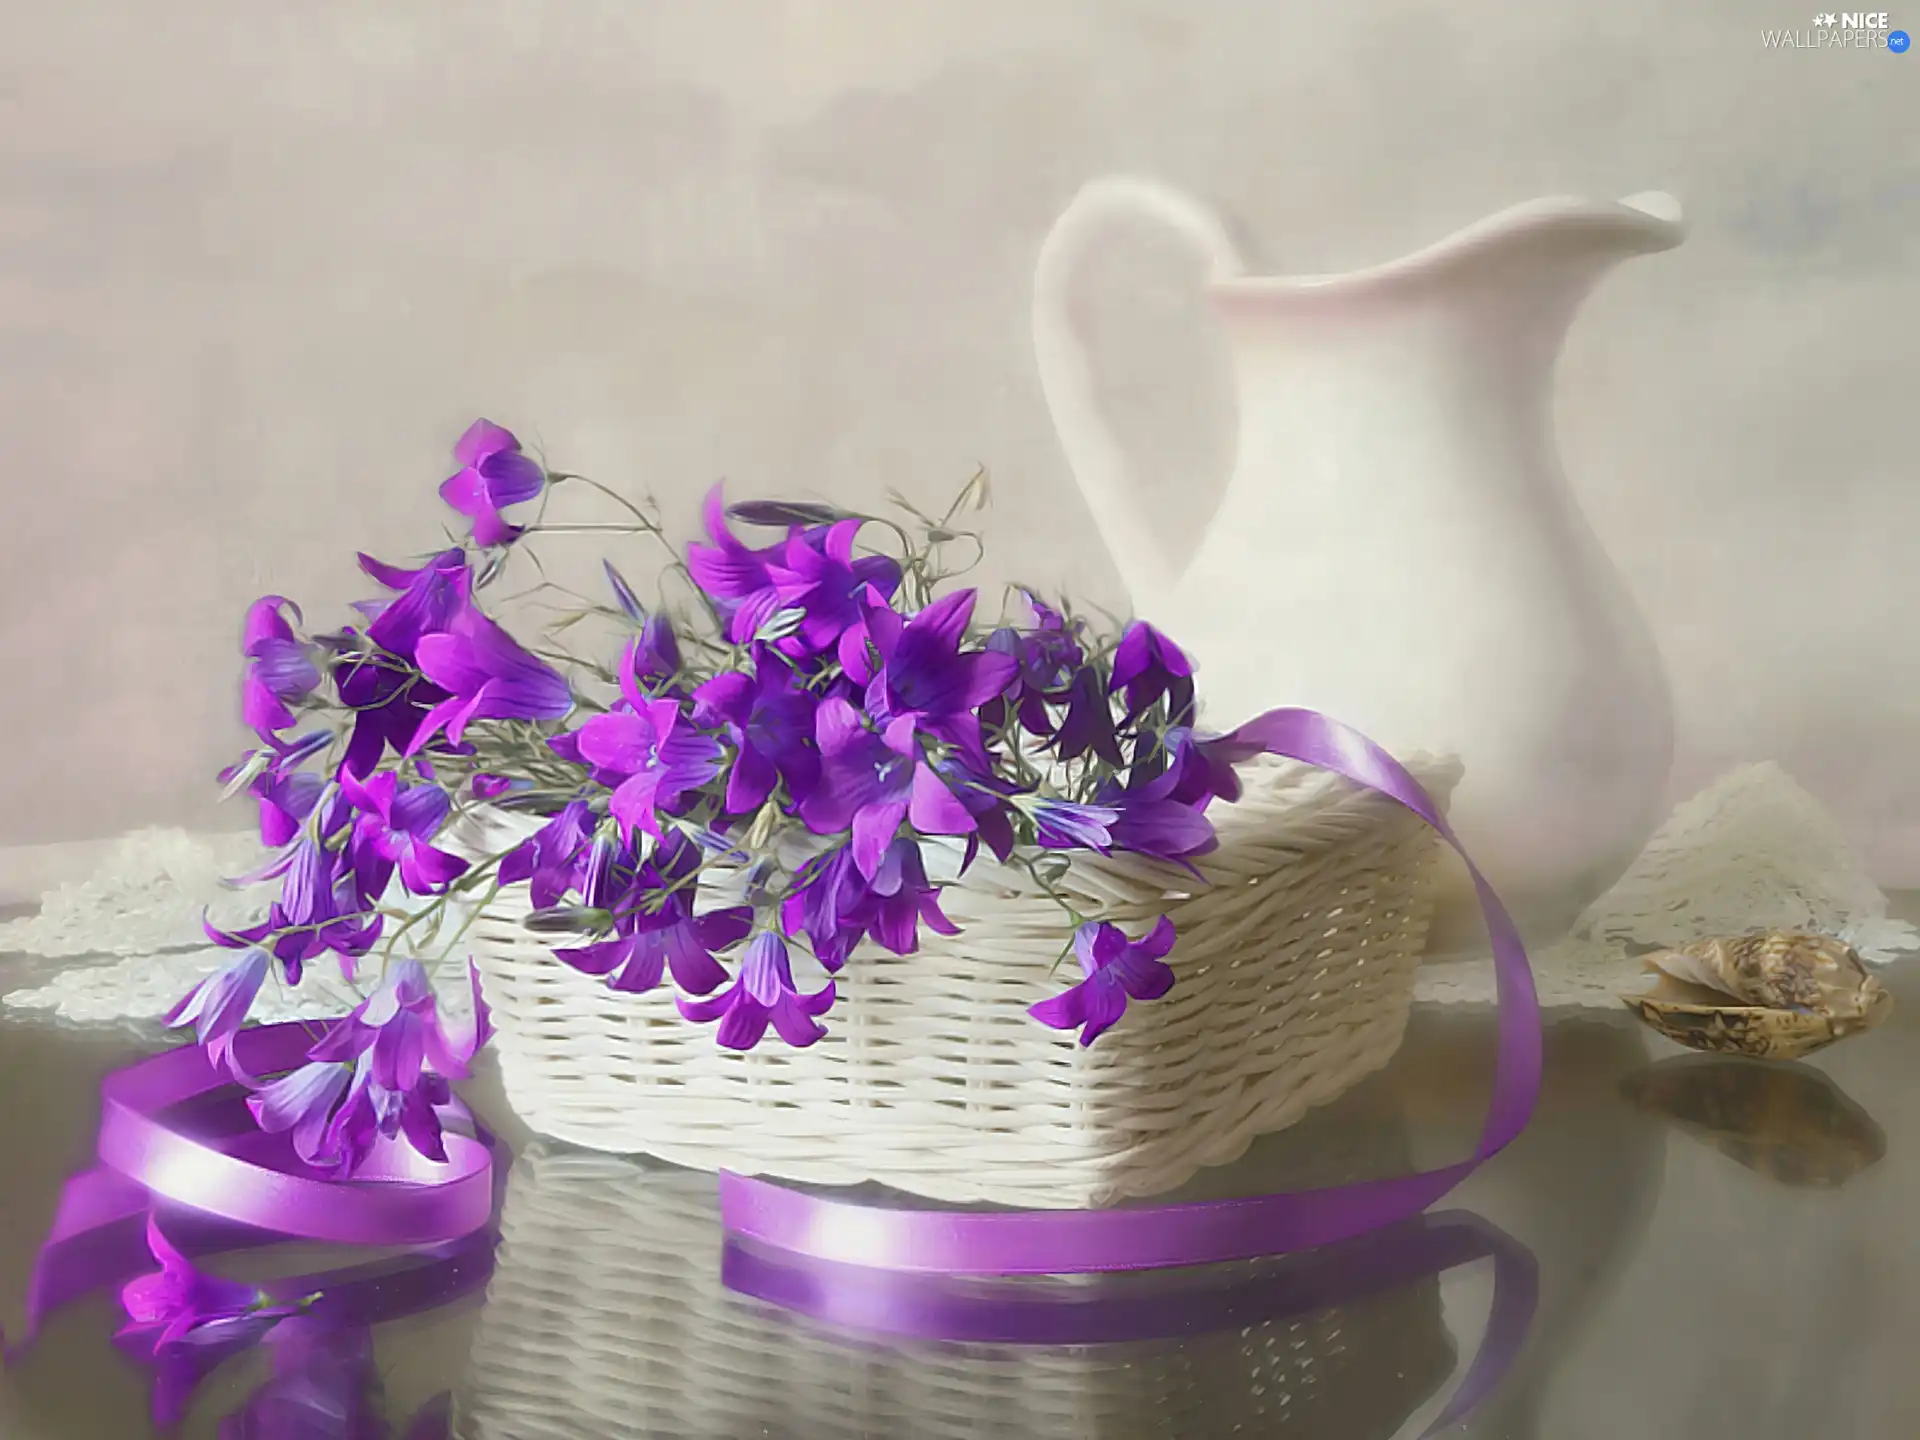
{"points": [[1398, 545]]}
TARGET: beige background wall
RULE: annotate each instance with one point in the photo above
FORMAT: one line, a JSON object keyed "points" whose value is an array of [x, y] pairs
{"points": [[260, 260]]}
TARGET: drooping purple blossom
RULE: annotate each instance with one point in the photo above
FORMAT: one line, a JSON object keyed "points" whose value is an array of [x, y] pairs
{"points": [[382, 1071], [429, 599], [900, 899], [770, 720], [218, 1005], [656, 931], [1046, 657], [872, 781], [1148, 665], [181, 1305], [552, 861], [1117, 970], [280, 666], [825, 905], [1165, 816], [320, 908], [392, 830], [487, 676], [732, 574], [389, 702], [763, 994], [493, 475], [1088, 723], [648, 751], [988, 799]]}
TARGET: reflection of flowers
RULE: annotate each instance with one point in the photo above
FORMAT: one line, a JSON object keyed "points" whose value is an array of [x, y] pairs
{"points": [[178, 1304], [325, 1386]]}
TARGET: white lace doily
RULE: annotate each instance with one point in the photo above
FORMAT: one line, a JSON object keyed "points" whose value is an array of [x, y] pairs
{"points": [[1751, 850], [133, 929]]}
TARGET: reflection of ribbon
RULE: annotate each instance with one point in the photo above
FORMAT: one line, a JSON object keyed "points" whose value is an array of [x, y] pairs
{"points": [[224, 1186], [1000, 1312], [1061, 1242]]}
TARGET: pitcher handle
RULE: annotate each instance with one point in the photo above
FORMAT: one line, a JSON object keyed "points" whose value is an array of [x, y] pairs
{"points": [[1066, 377]]}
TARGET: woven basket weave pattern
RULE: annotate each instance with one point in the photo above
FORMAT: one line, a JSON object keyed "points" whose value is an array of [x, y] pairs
{"points": [[1295, 961], [607, 1319]]}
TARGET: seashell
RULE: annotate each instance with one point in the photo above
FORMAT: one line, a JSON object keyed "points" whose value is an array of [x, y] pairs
{"points": [[1776, 996], [1789, 1123]]}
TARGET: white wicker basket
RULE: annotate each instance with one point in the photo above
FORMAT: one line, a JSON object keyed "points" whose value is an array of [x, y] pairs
{"points": [[606, 1319], [1295, 961]]}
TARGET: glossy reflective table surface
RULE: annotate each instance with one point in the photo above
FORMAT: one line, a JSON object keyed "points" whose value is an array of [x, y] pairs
{"points": [[1721, 1248]]}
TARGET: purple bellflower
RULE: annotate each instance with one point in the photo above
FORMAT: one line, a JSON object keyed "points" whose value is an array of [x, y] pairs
{"points": [[280, 667], [1047, 655], [1148, 665], [320, 909], [770, 720], [764, 993], [181, 1305], [825, 582], [901, 898], [1088, 723], [1117, 970], [923, 674], [732, 574], [656, 931], [493, 475], [393, 828], [825, 905], [1066, 825], [652, 756], [552, 860], [429, 599], [382, 1071], [872, 781], [487, 676], [218, 1005]]}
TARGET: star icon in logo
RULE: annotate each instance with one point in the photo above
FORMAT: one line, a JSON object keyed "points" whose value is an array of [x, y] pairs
{"points": [[1827, 18]]}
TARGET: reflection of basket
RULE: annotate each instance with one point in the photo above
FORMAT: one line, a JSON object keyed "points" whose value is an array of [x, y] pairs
{"points": [[1295, 960], [606, 1319]]}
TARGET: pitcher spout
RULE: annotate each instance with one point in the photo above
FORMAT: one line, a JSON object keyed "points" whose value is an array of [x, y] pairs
{"points": [[1590, 234]]}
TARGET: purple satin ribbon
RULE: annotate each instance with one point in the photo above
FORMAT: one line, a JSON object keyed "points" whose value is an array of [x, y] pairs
{"points": [[1076, 1242], [1011, 1312], [398, 1197]]}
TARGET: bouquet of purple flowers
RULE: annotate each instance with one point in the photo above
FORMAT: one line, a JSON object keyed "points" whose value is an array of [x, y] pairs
{"points": [[817, 714]]}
